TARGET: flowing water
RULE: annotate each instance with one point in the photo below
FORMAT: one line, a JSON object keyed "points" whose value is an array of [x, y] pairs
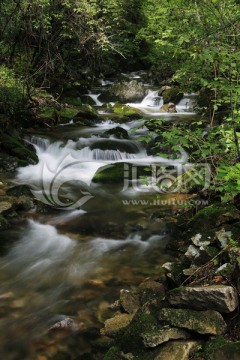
{"points": [[91, 238]]}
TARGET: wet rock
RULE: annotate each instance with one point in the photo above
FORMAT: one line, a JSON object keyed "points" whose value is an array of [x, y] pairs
{"points": [[17, 147], [19, 190], [114, 325], [217, 297], [170, 108], [177, 350], [128, 91], [202, 322], [172, 95], [157, 337], [125, 110], [197, 241], [67, 324], [5, 206], [129, 301], [8, 163], [117, 132]]}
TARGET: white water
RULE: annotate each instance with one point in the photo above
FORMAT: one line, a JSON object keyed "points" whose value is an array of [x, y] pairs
{"points": [[95, 97], [152, 103]]}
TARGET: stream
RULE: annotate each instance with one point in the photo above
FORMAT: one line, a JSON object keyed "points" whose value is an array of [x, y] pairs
{"points": [[93, 237]]}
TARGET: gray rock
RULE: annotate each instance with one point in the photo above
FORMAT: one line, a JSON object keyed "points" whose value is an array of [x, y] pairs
{"points": [[202, 322], [177, 350], [129, 91], [156, 337], [221, 298]]}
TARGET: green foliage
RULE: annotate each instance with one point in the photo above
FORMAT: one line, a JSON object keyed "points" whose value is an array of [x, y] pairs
{"points": [[11, 92]]}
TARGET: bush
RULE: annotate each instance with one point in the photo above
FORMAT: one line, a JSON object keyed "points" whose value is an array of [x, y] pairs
{"points": [[12, 94]]}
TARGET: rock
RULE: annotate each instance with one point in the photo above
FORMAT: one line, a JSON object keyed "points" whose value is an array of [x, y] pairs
{"points": [[129, 301], [172, 95], [221, 349], [196, 239], [221, 298], [86, 112], [149, 290], [170, 107], [125, 110], [19, 190], [5, 206], [67, 324], [156, 337], [117, 132], [192, 252], [177, 350], [226, 269], [17, 147], [128, 91], [114, 325], [223, 237], [202, 322]]}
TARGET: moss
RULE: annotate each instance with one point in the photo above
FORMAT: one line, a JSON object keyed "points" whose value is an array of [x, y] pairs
{"points": [[68, 113], [17, 147], [220, 348], [4, 224], [47, 113], [173, 95], [115, 173], [113, 354], [76, 101], [131, 340], [124, 110]]}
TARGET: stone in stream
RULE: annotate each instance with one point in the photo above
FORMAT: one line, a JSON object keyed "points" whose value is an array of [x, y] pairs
{"points": [[114, 325], [221, 298], [129, 301], [202, 322], [177, 350], [154, 338]]}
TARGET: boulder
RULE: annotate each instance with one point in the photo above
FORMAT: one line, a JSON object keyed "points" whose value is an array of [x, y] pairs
{"points": [[170, 108], [118, 132], [202, 322], [154, 338], [128, 91], [177, 350], [221, 298], [172, 95]]}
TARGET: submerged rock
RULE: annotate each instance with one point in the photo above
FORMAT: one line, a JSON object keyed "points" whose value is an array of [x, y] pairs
{"points": [[202, 322], [216, 297]]}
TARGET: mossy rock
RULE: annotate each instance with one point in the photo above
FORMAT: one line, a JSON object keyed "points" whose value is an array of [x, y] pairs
{"points": [[131, 340], [117, 132], [18, 148], [124, 110], [221, 349], [75, 101], [19, 190], [115, 173], [86, 112], [113, 354], [209, 219], [47, 113], [68, 113], [4, 224], [172, 95]]}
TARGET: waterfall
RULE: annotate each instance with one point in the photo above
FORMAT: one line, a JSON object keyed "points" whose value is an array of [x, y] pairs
{"points": [[95, 97], [152, 99]]}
